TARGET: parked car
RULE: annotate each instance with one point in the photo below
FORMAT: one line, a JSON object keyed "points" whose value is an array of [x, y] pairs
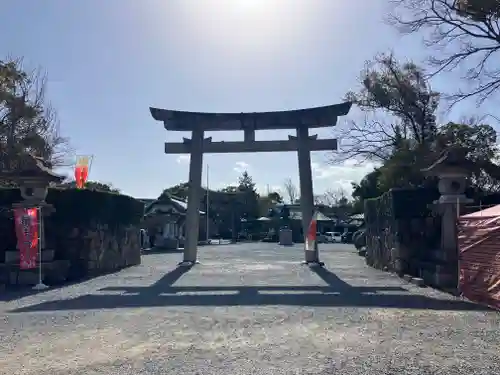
{"points": [[333, 237], [321, 238]]}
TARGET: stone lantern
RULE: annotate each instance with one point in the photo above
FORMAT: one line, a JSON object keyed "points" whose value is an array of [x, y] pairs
{"points": [[33, 176], [452, 169]]}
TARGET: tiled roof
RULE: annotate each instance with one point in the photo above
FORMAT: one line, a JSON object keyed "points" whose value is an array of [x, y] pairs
{"points": [[357, 217], [178, 204], [296, 213]]}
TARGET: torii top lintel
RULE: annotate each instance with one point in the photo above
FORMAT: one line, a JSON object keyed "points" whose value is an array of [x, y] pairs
{"points": [[310, 117]]}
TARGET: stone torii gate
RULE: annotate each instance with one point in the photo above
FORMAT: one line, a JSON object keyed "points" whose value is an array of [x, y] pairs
{"points": [[198, 123]]}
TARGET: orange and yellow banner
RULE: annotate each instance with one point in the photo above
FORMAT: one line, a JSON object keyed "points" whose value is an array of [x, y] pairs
{"points": [[82, 169]]}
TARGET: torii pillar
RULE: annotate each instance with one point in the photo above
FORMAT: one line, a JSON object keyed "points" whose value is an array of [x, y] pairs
{"points": [[306, 191], [197, 123], [194, 196]]}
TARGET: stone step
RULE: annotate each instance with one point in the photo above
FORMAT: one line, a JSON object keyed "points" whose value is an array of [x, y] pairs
{"points": [[441, 278], [52, 273]]}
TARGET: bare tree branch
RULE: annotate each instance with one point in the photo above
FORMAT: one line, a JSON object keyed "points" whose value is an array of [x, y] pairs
{"points": [[465, 35], [291, 191], [332, 198], [398, 105], [371, 140]]}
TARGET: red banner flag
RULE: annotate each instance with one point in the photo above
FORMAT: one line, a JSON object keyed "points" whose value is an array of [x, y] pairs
{"points": [[26, 223], [311, 234]]}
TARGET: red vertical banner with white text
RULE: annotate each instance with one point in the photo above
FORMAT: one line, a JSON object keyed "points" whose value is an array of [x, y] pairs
{"points": [[26, 223]]}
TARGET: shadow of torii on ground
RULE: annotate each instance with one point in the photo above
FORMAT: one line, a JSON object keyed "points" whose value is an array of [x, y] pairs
{"points": [[337, 293]]}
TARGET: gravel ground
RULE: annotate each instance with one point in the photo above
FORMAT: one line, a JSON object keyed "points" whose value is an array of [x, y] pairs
{"points": [[247, 309]]}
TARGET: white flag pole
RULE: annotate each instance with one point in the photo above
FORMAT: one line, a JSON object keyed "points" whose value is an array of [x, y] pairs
{"points": [[40, 285], [91, 159], [206, 209]]}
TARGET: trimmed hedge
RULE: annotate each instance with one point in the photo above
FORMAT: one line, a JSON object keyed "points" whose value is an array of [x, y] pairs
{"points": [[95, 231], [401, 204], [85, 206], [81, 207], [74, 208]]}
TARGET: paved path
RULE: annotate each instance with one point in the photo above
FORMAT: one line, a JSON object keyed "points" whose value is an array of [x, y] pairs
{"points": [[247, 309]]}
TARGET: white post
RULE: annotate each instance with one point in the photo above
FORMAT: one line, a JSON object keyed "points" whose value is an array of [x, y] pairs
{"points": [[91, 159], [40, 285], [207, 208]]}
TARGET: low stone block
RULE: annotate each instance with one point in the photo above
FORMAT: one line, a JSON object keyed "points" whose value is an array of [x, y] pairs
{"points": [[168, 244], [48, 255], [13, 277], [418, 281], [441, 256], [439, 279], [56, 272], [12, 257], [285, 237], [407, 278], [4, 274], [26, 277]]}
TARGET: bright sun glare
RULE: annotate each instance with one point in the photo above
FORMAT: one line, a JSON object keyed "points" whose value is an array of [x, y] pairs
{"points": [[249, 3]]}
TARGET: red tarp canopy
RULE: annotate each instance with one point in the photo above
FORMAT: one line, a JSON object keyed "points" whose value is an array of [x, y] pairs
{"points": [[479, 256], [488, 212]]}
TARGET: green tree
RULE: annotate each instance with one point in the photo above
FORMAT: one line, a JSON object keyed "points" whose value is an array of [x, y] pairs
{"points": [[249, 196], [231, 189], [480, 143], [269, 201], [275, 197], [180, 190], [410, 139], [478, 10], [402, 169], [92, 185], [245, 182], [368, 187]]}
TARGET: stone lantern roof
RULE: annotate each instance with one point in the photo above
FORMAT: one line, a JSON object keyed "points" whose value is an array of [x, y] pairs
{"points": [[28, 168], [32, 175], [451, 162]]}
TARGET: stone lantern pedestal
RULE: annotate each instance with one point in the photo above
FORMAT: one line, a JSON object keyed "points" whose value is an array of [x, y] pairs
{"points": [[452, 169]]}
